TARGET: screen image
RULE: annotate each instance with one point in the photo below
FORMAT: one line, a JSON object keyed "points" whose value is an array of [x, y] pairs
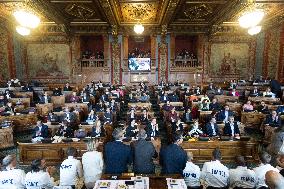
{"points": [[139, 64]]}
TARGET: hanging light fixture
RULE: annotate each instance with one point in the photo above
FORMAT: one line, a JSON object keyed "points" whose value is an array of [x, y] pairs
{"points": [[23, 30], [254, 30], [251, 18], [138, 28], [26, 19]]}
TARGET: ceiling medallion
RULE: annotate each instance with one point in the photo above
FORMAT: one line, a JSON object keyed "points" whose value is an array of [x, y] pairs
{"points": [[139, 11], [197, 12], [79, 11]]}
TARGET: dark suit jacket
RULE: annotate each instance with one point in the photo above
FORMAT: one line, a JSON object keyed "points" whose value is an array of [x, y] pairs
{"points": [[69, 133], [221, 115], [164, 98], [228, 130], [72, 116], [173, 159], [44, 131], [117, 155], [219, 93], [67, 88], [57, 92], [129, 131], [275, 123], [54, 118], [280, 109], [252, 93], [42, 99], [176, 127], [209, 130], [263, 110], [144, 152], [149, 131], [97, 134], [187, 117], [215, 106]]}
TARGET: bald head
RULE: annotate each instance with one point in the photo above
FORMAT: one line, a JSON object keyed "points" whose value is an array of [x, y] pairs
{"points": [[274, 180], [189, 156]]}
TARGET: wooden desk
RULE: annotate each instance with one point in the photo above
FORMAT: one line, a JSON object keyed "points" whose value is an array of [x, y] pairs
{"points": [[223, 99], [21, 122], [6, 137], [253, 119], [175, 104], [58, 101], [26, 101], [24, 95], [140, 105], [82, 106], [265, 99], [44, 109], [202, 151]]}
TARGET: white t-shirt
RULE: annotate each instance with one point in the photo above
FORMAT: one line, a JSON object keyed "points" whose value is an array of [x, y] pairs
{"points": [[191, 174], [70, 170], [35, 180], [260, 172], [92, 166], [242, 177], [12, 179], [215, 174]]}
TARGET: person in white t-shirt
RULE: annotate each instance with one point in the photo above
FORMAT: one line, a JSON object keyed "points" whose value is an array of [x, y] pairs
{"points": [[70, 169], [242, 177], [214, 174], [38, 177], [11, 177], [191, 173], [93, 164], [261, 170]]}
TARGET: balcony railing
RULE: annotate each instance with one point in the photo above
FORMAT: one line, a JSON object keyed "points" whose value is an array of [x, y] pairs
{"points": [[186, 63], [98, 63]]}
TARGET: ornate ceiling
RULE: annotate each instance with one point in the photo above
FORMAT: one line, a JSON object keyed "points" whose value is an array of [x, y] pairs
{"points": [[158, 16]]}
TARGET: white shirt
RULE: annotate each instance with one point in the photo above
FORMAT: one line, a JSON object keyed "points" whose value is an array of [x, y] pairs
{"points": [[92, 166], [70, 169], [41, 179], [232, 128], [213, 129], [242, 177], [226, 116], [191, 174], [12, 179], [260, 172], [215, 174]]}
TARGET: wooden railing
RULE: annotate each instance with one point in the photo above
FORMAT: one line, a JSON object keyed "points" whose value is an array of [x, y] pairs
{"points": [[93, 62], [187, 63]]}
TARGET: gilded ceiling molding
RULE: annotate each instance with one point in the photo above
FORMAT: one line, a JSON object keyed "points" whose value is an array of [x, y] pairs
{"points": [[133, 12], [79, 11], [198, 11], [107, 8], [170, 11]]}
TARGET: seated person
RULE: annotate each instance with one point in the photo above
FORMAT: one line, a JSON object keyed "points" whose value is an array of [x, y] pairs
{"points": [[74, 98], [27, 88], [8, 95], [263, 108], [164, 98], [65, 130], [44, 99], [173, 116], [197, 91], [204, 105], [187, 116], [92, 117], [191, 173], [225, 114], [273, 120], [131, 99], [9, 109], [98, 129], [231, 128], [40, 130], [104, 97], [19, 102], [255, 92], [219, 91], [248, 107], [52, 117], [205, 97], [211, 128], [280, 110], [67, 87], [131, 130], [173, 97], [178, 126], [144, 98], [132, 115], [86, 98], [214, 105], [144, 118], [233, 92], [210, 87], [187, 92], [99, 107], [57, 92], [195, 130], [152, 128], [268, 93], [113, 106], [69, 115], [167, 106], [107, 116]]}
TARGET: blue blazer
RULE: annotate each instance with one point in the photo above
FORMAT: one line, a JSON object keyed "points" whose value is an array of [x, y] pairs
{"points": [[275, 123], [44, 131], [228, 130], [117, 155], [221, 115], [280, 109], [173, 159], [209, 130]]}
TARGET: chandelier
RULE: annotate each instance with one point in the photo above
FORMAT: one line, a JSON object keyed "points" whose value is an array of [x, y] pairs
{"points": [[26, 20], [254, 30], [251, 19], [138, 28]]}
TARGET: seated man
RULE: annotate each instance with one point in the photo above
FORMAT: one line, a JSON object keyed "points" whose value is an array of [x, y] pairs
{"points": [[152, 129], [116, 154], [225, 114], [231, 128], [187, 116], [69, 115], [204, 105], [262, 169], [92, 117], [211, 128], [57, 92], [191, 173], [233, 92], [131, 130], [177, 126], [248, 107], [242, 177], [214, 105], [173, 158], [98, 129], [173, 97], [99, 107], [271, 122], [86, 98], [65, 130], [219, 91], [74, 98], [44, 99], [214, 174], [268, 93], [280, 110], [144, 98], [40, 130], [131, 99], [255, 92], [9, 109], [70, 169], [263, 108], [144, 118], [164, 98], [108, 116], [67, 87], [274, 180], [52, 117]]}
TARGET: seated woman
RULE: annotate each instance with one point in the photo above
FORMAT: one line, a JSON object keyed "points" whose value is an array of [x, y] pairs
{"points": [[195, 130], [92, 117], [205, 97], [268, 93], [178, 126], [131, 130], [204, 105], [167, 106], [233, 92], [74, 98], [98, 129], [248, 107], [231, 128], [9, 109], [187, 116], [65, 130], [173, 116]]}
